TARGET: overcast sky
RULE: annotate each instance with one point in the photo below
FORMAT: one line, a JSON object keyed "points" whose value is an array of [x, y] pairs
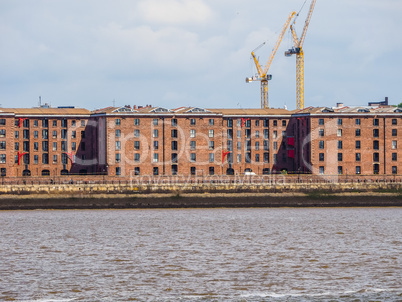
{"points": [[172, 53]]}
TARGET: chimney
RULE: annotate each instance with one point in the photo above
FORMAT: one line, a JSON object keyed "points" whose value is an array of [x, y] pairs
{"points": [[386, 101], [339, 105], [134, 106]]}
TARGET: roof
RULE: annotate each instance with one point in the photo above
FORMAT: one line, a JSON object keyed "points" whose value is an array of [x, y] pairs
{"points": [[46, 111], [252, 111]]}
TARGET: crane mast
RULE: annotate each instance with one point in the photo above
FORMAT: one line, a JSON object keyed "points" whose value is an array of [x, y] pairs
{"points": [[262, 73], [298, 51]]}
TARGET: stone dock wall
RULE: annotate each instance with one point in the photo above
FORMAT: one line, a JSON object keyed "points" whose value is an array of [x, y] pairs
{"points": [[97, 196]]}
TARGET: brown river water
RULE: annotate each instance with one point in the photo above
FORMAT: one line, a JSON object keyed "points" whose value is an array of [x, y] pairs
{"points": [[248, 254]]}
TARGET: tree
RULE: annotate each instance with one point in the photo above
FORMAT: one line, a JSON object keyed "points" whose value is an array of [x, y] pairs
{"points": [[400, 105]]}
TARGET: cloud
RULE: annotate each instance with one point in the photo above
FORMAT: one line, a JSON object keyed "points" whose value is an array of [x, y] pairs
{"points": [[174, 11]]}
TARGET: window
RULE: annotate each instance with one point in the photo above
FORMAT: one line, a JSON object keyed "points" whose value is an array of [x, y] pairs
{"points": [[211, 133], [174, 158], [45, 146], [257, 134], [340, 170], [156, 133], [63, 133], [376, 156], [192, 157], [45, 158], [376, 122], [156, 157], [321, 144], [64, 158], [266, 145], [257, 158], [275, 123], [117, 133], [394, 170], [136, 133], [357, 122], [238, 133], [136, 122], [257, 146], [284, 123], [136, 170], [340, 145], [211, 145], [3, 145], [3, 158], [174, 169], [36, 134], [82, 134], [26, 146], [174, 133], [174, 122], [156, 146], [339, 122], [26, 134], [257, 123], [155, 171], [376, 133], [54, 123], [192, 122], [376, 145], [357, 144], [211, 122], [339, 132], [239, 123], [54, 135], [211, 157], [45, 123], [248, 145], [117, 122], [230, 123], [248, 157], [266, 157], [266, 123], [118, 145], [55, 146], [73, 146], [321, 121], [230, 133], [266, 133], [239, 158], [321, 132], [136, 157], [63, 146], [357, 132], [82, 123], [211, 170], [358, 170], [73, 123], [394, 121], [230, 145], [192, 133], [155, 122], [136, 145], [55, 159], [174, 145], [321, 170], [394, 156], [192, 170], [17, 146], [394, 132], [239, 145], [358, 156], [73, 134], [275, 134], [36, 159], [275, 159], [394, 144], [340, 156], [2, 133], [275, 146], [36, 123], [17, 134], [321, 156], [192, 145], [64, 123], [376, 168], [2, 121], [36, 146], [118, 170]]}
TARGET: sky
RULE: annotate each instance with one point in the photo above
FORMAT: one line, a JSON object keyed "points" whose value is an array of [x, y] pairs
{"points": [[173, 53]]}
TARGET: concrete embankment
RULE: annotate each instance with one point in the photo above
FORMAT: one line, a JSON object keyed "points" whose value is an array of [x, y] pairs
{"points": [[84, 196]]}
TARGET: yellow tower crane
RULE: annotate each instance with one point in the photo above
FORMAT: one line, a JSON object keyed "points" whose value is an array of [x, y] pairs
{"points": [[262, 74], [298, 50]]}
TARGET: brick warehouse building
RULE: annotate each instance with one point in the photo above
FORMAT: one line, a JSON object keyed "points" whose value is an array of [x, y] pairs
{"points": [[125, 141]]}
